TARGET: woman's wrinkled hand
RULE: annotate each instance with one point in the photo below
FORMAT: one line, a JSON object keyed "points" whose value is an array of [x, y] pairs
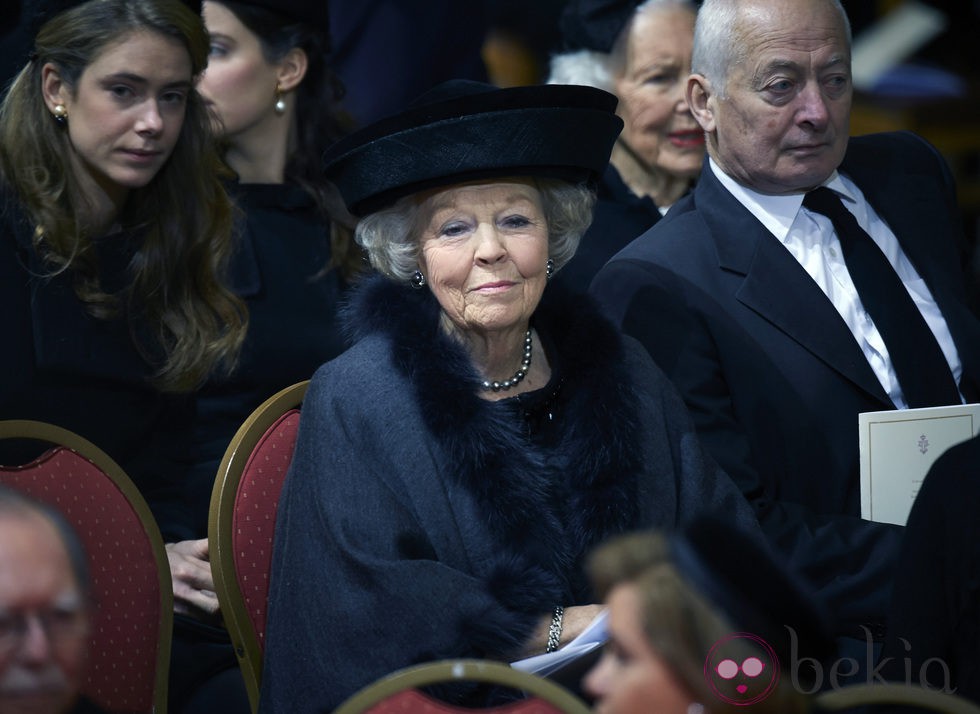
{"points": [[574, 621]]}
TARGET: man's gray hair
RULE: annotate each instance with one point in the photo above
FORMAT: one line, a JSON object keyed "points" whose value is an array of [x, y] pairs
{"points": [[719, 40]]}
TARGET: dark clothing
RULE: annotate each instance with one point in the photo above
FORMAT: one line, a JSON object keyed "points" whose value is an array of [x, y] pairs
{"points": [[204, 670], [772, 375], [388, 52], [18, 24], [419, 521], [279, 269], [620, 217], [936, 602], [61, 365], [86, 706]]}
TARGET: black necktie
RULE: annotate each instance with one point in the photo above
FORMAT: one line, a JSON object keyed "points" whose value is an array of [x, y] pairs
{"points": [[921, 368]]}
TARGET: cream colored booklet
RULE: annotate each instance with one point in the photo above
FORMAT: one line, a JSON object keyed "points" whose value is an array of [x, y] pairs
{"points": [[897, 449]]}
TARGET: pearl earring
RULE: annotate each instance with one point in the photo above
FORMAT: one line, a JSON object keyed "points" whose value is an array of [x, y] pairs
{"points": [[60, 114], [418, 280], [280, 105]]}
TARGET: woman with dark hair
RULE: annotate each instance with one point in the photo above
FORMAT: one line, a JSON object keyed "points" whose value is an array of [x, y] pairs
{"points": [[486, 429], [115, 232], [116, 238], [274, 101], [275, 95]]}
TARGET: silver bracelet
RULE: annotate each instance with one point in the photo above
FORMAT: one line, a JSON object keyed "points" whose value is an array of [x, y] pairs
{"points": [[554, 629]]}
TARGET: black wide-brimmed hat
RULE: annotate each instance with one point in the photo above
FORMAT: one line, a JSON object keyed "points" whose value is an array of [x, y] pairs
{"points": [[463, 130], [757, 592]]}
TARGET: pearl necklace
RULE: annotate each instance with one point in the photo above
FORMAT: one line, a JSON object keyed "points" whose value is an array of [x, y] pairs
{"points": [[518, 375]]}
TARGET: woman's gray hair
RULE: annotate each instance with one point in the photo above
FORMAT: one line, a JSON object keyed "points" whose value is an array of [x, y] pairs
{"points": [[391, 236], [719, 41], [600, 69], [586, 67]]}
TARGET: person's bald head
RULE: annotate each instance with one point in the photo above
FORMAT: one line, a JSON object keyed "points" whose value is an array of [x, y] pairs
{"points": [[44, 608]]}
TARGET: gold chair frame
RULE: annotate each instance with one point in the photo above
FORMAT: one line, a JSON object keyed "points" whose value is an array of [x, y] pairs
{"points": [[860, 695], [221, 531]]}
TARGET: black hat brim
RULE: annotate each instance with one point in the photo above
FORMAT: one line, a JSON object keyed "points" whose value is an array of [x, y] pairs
{"points": [[754, 588], [561, 131]]}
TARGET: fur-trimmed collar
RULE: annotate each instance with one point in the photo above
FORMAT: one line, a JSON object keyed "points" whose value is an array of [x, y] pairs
{"points": [[552, 503]]}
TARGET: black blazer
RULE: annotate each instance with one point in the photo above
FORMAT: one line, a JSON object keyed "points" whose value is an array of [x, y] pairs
{"points": [[59, 364], [772, 375]]}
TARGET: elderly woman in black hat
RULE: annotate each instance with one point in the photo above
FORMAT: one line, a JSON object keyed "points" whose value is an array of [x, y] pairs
{"points": [[639, 50], [705, 619], [454, 466]]}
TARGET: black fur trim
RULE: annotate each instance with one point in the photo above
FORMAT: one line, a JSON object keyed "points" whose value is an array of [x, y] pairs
{"points": [[548, 507]]}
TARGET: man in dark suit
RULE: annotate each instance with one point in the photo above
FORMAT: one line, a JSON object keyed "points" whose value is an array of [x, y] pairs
{"points": [[744, 297]]}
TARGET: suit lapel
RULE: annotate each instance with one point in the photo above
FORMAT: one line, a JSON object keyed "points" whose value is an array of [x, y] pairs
{"points": [[776, 286]]}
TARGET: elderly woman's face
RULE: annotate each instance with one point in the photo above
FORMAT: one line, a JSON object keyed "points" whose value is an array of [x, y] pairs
{"points": [[631, 677], [659, 126], [483, 251]]}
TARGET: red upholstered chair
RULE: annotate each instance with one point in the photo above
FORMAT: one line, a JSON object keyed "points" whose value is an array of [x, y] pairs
{"points": [[398, 693], [129, 656], [242, 522]]}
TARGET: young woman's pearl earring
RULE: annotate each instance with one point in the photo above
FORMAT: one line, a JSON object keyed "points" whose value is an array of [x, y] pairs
{"points": [[280, 105]]}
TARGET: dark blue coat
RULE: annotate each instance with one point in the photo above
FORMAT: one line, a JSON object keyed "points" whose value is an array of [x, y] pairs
{"points": [[418, 520], [61, 365]]}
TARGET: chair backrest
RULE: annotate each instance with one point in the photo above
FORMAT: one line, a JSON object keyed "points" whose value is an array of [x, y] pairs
{"points": [[129, 652], [241, 523], [867, 695], [399, 691]]}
